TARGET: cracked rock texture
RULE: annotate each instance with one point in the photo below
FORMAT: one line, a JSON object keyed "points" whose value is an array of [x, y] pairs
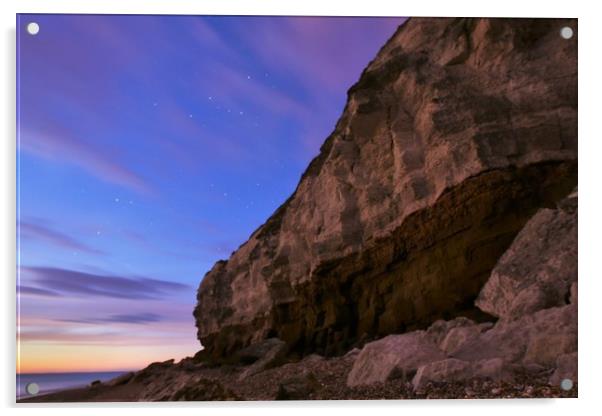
{"points": [[455, 135]]}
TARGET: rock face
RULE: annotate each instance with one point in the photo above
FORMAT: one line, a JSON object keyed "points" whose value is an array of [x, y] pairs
{"points": [[454, 136]]}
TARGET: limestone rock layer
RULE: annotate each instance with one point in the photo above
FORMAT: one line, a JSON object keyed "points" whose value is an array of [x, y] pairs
{"points": [[453, 137]]}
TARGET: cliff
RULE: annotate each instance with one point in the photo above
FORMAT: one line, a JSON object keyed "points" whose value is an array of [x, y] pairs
{"points": [[453, 137]]}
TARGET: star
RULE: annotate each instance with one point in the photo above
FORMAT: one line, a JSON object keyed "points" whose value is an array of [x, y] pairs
{"points": [[241, 113], [116, 199], [248, 76], [190, 115], [155, 104]]}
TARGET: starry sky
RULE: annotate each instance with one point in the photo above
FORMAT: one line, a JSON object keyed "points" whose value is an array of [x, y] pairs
{"points": [[150, 147]]}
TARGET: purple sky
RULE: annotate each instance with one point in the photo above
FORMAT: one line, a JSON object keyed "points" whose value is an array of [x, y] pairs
{"points": [[150, 147]]}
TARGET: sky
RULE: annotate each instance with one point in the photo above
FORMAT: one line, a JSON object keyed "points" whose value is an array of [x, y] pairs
{"points": [[148, 148]]}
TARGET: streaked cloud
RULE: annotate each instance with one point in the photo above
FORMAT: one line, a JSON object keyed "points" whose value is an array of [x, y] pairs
{"points": [[71, 282], [59, 143], [37, 231], [142, 318], [36, 291]]}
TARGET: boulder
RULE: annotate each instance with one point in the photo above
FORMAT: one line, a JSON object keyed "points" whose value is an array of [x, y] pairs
{"points": [[539, 338], [454, 370], [539, 268], [257, 351], [298, 387], [267, 354], [458, 336], [566, 368], [440, 328], [203, 390], [393, 356]]}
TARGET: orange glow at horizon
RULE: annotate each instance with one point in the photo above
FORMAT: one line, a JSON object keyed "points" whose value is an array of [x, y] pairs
{"points": [[41, 357]]}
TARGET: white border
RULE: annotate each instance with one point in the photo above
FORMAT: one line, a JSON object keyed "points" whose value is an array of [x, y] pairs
{"points": [[590, 178]]}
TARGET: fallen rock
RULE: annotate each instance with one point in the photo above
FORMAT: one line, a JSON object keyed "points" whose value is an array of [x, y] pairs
{"points": [[453, 370], [299, 387], [257, 351], [458, 336], [566, 368], [267, 354], [203, 390], [394, 356], [440, 328], [539, 338], [538, 270]]}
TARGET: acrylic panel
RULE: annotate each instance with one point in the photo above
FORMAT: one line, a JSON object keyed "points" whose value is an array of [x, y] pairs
{"points": [[295, 208]]}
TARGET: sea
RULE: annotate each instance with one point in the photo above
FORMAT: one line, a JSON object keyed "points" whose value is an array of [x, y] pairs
{"points": [[50, 382]]}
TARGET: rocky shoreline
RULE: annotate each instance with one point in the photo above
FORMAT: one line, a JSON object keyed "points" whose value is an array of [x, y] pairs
{"points": [[314, 378]]}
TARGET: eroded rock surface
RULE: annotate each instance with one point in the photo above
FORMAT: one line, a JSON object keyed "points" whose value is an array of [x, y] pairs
{"points": [[454, 136]]}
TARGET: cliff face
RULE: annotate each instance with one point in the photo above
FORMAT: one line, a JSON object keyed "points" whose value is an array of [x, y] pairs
{"points": [[454, 136]]}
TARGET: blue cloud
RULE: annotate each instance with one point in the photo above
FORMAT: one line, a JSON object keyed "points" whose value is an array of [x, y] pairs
{"points": [[71, 282], [41, 232], [142, 318]]}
